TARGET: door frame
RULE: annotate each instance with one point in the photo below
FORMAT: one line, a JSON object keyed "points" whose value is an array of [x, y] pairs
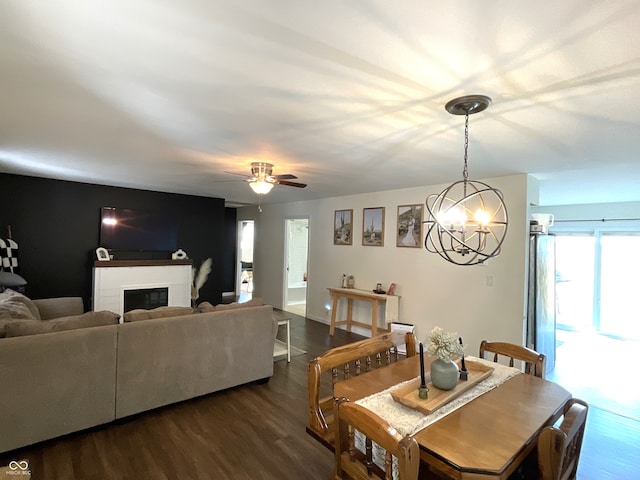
{"points": [[238, 279], [288, 221]]}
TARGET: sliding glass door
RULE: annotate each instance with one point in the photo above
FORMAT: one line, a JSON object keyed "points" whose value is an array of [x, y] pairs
{"points": [[620, 267], [575, 267], [597, 282]]}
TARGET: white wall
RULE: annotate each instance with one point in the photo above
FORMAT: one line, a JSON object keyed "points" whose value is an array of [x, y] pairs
{"points": [[433, 291]]}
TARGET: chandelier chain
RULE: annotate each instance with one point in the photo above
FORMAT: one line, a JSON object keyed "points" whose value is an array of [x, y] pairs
{"points": [[465, 171]]}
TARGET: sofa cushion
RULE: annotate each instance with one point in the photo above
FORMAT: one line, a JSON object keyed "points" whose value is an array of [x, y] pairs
{"points": [[89, 319], [254, 302], [17, 306], [58, 307], [160, 312]]}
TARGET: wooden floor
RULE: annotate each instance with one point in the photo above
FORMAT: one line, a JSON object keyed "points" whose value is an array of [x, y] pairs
{"points": [[258, 432], [611, 448]]}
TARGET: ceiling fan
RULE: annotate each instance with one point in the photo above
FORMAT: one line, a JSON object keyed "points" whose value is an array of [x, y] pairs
{"points": [[262, 179]]}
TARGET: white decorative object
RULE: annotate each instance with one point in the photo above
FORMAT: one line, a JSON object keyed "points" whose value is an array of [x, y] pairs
{"points": [[102, 254], [200, 277], [179, 255]]}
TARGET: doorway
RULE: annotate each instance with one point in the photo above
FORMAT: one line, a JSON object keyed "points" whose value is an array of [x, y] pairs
{"points": [[296, 257], [244, 261]]}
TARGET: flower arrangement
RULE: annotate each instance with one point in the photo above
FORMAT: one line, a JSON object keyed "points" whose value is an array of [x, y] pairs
{"points": [[444, 344]]}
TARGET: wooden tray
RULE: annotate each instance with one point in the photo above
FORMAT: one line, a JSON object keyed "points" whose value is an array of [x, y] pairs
{"points": [[407, 395]]}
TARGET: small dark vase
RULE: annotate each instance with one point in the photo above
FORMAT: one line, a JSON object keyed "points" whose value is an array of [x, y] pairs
{"points": [[444, 375]]}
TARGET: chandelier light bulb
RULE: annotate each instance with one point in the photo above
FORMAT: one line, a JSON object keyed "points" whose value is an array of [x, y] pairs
{"points": [[453, 216], [482, 217]]}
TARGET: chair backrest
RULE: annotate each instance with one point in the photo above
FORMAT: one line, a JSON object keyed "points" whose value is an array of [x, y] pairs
{"points": [[343, 362], [559, 447], [534, 362], [363, 464]]}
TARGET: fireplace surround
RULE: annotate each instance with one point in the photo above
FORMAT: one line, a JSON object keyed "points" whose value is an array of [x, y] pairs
{"points": [[153, 282]]}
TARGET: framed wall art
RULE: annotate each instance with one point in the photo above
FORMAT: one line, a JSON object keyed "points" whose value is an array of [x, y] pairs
{"points": [[343, 227], [373, 227], [409, 229]]}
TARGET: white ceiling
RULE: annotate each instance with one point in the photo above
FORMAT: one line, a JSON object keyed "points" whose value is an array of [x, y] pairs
{"points": [[347, 95]]}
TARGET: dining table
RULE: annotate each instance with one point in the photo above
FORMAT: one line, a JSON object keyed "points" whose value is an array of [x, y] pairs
{"points": [[486, 438]]}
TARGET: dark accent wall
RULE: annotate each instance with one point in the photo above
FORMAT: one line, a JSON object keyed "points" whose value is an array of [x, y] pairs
{"points": [[230, 247], [57, 227]]}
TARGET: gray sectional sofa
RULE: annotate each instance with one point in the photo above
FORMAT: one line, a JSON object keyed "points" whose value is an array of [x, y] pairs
{"points": [[55, 383]]}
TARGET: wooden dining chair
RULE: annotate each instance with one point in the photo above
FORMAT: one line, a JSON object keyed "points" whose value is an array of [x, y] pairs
{"points": [[534, 362], [341, 363], [559, 447], [359, 463]]}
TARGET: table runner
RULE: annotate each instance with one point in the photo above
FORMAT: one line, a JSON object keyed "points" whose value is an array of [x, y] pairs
{"points": [[408, 421]]}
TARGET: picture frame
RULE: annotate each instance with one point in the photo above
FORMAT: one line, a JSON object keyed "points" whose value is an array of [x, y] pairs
{"points": [[373, 227], [409, 226], [343, 227]]}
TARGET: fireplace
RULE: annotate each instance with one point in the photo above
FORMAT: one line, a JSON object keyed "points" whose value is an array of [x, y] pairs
{"points": [[146, 298], [124, 285]]}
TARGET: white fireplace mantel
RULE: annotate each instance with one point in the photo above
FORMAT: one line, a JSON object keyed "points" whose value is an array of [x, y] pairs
{"points": [[112, 278]]}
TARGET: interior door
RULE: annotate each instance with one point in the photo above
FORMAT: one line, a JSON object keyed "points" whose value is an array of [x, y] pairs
{"points": [[296, 258], [244, 262]]}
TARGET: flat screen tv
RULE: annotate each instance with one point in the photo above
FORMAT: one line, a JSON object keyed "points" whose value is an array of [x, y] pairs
{"points": [[135, 230]]}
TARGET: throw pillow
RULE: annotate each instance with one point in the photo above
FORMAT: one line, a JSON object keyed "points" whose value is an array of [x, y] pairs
{"points": [[254, 302], [160, 312], [15, 305], [86, 320], [9, 279]]}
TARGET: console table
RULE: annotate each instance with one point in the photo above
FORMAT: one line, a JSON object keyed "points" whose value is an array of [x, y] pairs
{"points": [[350, 294]]}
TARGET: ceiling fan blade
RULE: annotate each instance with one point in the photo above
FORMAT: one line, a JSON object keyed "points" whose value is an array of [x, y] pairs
{"points": [[292, 184], [240, 174], [285, 176]]}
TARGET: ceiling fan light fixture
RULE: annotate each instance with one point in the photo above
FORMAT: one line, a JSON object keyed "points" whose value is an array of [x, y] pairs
{"points": [[468, 220], [261, 187]]}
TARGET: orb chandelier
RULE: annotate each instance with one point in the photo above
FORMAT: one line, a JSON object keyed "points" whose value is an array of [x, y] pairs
{"points": [[467, 222]]}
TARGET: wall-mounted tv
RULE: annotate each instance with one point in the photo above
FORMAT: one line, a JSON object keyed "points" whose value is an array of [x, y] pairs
{"points": [[135, 230]]}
